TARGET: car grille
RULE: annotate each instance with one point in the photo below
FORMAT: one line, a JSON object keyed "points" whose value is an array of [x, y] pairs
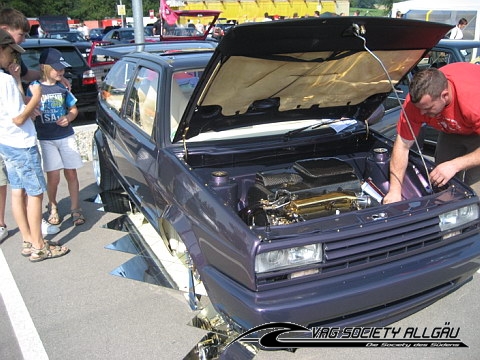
{"points": [[381, 245], [352, 251]]}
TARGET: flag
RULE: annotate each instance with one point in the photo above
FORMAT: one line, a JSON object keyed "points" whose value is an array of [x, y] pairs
{"points": [[168, 14]]}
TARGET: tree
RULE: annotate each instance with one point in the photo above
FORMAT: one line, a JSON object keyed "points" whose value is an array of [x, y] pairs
{"points": [[76, 9], [366, 4], [28, 8], [388, 4]]}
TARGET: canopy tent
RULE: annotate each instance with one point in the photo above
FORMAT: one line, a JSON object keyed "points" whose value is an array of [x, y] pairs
{"points": [[443, 11]]}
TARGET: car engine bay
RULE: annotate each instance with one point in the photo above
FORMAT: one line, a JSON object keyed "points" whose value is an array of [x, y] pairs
{"points": [[311, 187]]}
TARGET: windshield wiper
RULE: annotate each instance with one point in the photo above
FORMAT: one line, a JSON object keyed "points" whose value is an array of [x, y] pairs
{"points": [[289, 134]]}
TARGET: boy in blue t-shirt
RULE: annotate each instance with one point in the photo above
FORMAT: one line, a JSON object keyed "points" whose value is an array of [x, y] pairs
{"points": [[56, 135]]}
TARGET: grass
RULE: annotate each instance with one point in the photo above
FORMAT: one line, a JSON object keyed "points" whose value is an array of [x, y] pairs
{"points": [[368, 12]]}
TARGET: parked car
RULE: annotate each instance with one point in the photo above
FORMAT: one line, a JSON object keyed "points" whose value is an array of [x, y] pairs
{"points": [[449, 51], [149, 30], [190, 25], [80, 75], [75, 37], [221, 29], [102, 56], [256, 168], [96, 34], [121, 36], [445, 52]]}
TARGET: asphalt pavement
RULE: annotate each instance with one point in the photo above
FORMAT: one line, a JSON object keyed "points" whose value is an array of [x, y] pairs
{"points": [[81, 307]]}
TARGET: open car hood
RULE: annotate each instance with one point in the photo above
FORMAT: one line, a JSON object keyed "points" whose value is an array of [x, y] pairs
{"points": [[54, 23], [305, 69]]}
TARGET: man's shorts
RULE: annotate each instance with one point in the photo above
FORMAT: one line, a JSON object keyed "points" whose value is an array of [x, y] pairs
{"points": [[3, 173], [60, 154], [24, 169]]}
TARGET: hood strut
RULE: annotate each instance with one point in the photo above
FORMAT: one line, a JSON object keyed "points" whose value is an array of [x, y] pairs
{"points": [[419, 149], [184, 139]]}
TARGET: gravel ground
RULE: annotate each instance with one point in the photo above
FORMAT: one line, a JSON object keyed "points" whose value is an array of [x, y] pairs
{"points": [[84, 135]]}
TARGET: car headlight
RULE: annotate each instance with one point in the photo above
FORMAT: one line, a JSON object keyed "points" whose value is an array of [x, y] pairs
{"points": [[458, 217], [287, 258]]}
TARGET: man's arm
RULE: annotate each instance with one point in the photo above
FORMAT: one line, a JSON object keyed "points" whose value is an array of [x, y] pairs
{"points": [[32, 104], [443, 172], [398, 166], [33, 75], [14, 70]]}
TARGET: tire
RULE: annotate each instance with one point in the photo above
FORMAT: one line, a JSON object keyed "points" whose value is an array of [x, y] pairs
{"points": [[104, 177]]}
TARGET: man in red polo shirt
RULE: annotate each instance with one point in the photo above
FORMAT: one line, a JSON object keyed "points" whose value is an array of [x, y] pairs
{"points": [[446, 99]]}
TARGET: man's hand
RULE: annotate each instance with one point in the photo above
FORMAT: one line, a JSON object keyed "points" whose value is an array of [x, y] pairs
{"points": [[19, 120], [14, 70], [442, 174], [66, 83], [398, 166], [391, 197]]}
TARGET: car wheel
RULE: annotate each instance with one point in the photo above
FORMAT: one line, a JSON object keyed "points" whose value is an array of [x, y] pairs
{"points": [[188, 278], [104, 177]]}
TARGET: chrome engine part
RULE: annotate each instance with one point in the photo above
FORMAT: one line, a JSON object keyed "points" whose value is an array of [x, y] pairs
{"points": [[310, 189]]}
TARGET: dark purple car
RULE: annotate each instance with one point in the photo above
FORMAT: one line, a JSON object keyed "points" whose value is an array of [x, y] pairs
{"points": [[256, 166]]}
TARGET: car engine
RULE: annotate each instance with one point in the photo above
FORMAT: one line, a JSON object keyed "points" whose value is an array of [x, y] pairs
{"points": [[308, 189], [314, 188]]}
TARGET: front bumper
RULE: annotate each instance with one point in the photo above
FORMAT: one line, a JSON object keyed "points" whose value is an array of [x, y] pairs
{"points": [[376, 296]]}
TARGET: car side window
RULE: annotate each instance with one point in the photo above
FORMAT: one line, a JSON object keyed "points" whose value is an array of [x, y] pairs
{"points": [[115, 84], [438, 59], [141, 104], [183, 83]]}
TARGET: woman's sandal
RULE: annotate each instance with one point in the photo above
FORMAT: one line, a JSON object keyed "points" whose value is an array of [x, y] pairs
{"points": [[77, 217], [53, 217], [48, 251]]}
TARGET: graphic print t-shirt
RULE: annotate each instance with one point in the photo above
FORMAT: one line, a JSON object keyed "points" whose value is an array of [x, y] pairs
{"points": [[55, 102]]}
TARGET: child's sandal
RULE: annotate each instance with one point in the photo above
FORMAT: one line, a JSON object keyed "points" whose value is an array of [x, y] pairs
{"points": [[27, 248], [48, 251], [53, 217], [77, 217]]}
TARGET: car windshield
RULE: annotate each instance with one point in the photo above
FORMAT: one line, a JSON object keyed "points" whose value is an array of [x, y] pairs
{"points": [[148, 31], [96, 32], [127, 34], [288, 129], [183, 84], [72, 36], [31, 57]]}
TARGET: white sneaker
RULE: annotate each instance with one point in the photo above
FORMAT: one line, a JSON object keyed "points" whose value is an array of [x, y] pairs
{"points": [[49, 229], [3, 232]]}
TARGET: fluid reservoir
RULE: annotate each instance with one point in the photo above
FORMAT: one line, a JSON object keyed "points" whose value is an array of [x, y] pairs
{"points": [[377, 168], [225, 187]]}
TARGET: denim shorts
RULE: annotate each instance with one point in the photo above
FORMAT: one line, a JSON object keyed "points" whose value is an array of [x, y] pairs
{"points": [[24, 169], [3, 173]]}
